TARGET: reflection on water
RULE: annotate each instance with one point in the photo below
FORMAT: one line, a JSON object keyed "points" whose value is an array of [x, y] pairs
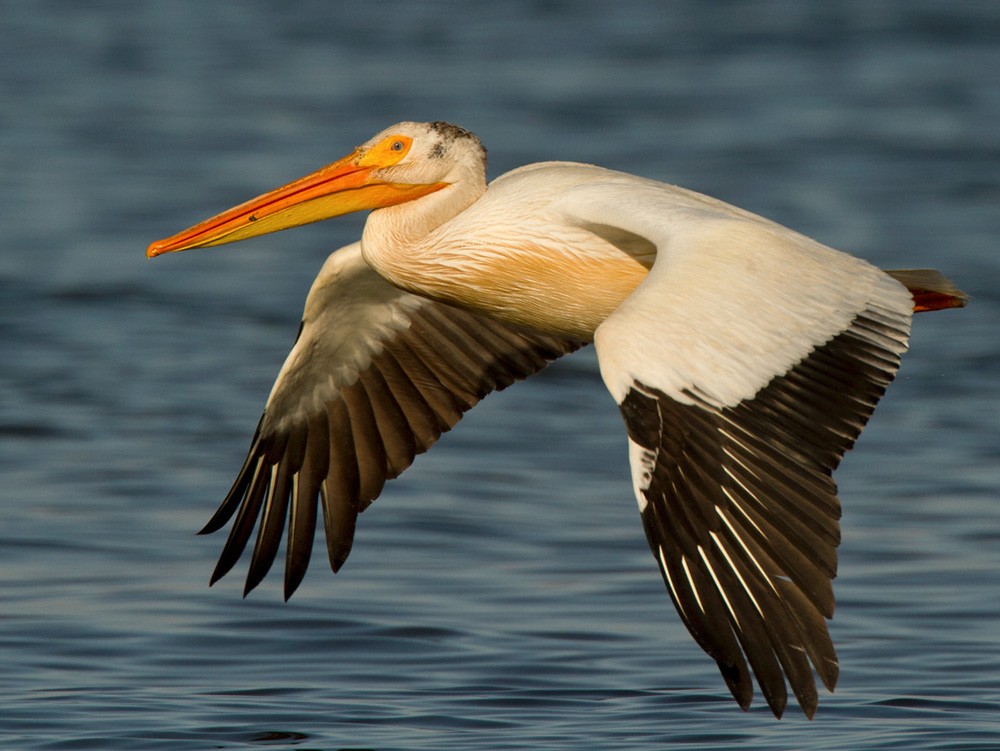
{"points": [[500, 595]]}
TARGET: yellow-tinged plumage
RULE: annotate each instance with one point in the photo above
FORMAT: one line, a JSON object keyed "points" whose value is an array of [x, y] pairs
{"points": [[745, 359]]}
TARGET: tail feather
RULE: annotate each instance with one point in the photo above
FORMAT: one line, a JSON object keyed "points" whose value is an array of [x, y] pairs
{"points": [[931, 289]]}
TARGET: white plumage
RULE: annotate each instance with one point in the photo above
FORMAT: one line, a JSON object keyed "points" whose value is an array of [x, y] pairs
{"points": [[744, 356]]}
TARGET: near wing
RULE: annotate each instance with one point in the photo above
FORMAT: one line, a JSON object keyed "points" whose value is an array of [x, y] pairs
{"points": [[375, 376], [745, 365]]}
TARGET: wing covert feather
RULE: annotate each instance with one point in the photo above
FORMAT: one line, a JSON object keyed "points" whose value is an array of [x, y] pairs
{"points": [[745, 365], [375, 376]]}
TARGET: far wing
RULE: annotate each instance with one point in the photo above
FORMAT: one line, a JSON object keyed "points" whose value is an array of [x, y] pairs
{"points": [[375, 376], [745, 365]]}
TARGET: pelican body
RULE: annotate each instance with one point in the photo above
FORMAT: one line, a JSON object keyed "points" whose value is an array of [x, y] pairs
{"points": [[745, 358]]}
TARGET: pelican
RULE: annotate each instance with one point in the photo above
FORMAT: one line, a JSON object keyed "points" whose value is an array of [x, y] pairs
{"points": [[745, 358]]}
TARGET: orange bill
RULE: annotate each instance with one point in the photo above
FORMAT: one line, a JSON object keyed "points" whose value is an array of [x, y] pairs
{"points": [[350, 184]]}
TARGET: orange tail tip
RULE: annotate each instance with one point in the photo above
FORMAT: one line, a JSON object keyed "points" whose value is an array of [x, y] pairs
{"points": [[931, 290]]}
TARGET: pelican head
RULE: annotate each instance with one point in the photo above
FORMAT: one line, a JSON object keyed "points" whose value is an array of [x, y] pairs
{"points": [[402, 163]]}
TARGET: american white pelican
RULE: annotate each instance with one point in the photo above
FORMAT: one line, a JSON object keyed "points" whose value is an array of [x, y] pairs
{"points": [[745, 358]]}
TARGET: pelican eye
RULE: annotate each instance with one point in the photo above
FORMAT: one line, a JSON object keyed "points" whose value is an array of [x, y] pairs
{"points": [[397, 146]]}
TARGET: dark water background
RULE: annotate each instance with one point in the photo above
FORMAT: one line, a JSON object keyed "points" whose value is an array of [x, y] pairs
{"points": [[500, 595]]}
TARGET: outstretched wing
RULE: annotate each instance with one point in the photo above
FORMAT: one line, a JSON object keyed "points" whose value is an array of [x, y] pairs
{"points": [[745, 365], [375, 376]]}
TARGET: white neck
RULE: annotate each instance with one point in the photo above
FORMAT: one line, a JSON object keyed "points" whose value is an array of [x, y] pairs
{"points": [[394, 236]]}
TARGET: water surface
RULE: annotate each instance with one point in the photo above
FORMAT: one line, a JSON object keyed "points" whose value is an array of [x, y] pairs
{"points": [[500, 595]]}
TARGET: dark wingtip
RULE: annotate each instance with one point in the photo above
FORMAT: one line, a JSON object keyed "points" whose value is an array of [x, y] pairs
{"points": [[259, 567], [217, 574], [249, 586], [338, 560], [777, 699], [293, 578], [339, 548], [830, 675], [230, 554], [211, 527], [738, 682]]}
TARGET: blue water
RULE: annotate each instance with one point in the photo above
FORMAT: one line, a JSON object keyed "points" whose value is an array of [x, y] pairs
{"points": [[500, 595]]}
